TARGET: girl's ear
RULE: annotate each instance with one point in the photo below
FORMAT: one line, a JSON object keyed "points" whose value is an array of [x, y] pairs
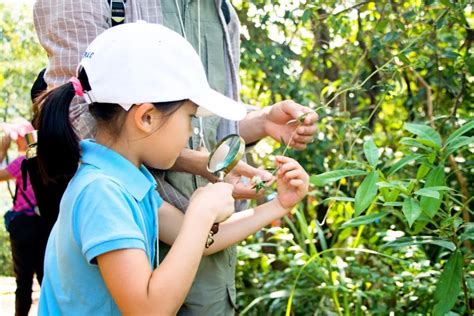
{"points": [[145, 117]]}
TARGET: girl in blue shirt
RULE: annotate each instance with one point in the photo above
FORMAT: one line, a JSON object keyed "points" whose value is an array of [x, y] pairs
{"points": [[143, 83]]}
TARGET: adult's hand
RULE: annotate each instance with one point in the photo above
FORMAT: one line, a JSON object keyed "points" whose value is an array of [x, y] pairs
{"points": [[279, 123], [246, 190]]}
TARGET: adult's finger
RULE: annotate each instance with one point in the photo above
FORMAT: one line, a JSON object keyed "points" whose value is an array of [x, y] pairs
{"points": [[306, 130], [246, 170], [311, 118], [245, 192]]}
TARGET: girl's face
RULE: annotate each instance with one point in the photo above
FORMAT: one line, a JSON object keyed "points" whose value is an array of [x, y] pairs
{"points": [[171, 135]]}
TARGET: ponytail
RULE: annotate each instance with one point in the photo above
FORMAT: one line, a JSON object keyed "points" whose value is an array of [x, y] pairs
{"points": [[58, 145]]}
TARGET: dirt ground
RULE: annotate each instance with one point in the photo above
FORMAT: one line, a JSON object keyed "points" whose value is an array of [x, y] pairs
{"points": [[7, 297]]}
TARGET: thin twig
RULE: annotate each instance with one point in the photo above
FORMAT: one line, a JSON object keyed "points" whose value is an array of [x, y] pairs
{"points": [[325, 16], [429, 97]]}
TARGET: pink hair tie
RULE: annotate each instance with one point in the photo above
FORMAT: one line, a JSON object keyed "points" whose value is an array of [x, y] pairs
{"points": [[77, 86]]}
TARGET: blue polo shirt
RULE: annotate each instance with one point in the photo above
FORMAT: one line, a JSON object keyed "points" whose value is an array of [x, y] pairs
{"points": [[109, 204]]}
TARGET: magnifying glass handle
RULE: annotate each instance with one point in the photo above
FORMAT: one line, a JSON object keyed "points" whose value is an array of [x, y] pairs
{"points": [[221, 176]]}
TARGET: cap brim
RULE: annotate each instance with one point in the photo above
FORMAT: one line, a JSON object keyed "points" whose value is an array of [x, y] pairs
{"points": [[212, 102]]}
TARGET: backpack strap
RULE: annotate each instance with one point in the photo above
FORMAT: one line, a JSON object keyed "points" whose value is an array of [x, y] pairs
{"points": [[16, 193], [117, 11], [24, 175]]}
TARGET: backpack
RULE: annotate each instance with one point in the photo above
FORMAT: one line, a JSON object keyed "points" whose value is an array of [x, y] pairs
{"points": [[48, 196]]}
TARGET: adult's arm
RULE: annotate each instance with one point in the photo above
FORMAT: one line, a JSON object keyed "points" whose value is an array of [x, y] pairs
{"points": [[5, 141], [195, 162], [5, 175]]}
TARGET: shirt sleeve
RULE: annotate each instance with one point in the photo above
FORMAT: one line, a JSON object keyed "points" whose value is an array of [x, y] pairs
{"points": [[65, 28], [104, 220], [14, 167]]}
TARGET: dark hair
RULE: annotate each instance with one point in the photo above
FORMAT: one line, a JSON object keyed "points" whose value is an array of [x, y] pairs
{"points": [[38, 88], [58, 148], [39, 85]]}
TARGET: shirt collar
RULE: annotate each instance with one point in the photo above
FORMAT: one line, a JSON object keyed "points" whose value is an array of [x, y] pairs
{"points": [[137, 181]]}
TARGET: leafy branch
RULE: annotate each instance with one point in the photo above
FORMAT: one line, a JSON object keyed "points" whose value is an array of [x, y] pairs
{"points": [[259, 184]]}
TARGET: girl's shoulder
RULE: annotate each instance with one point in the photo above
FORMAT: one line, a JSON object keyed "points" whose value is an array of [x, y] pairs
{"points": [[95, 184]]}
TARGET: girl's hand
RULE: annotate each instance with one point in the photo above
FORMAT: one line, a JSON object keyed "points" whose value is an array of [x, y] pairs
{"points": [[215, 198], [292, 182]]}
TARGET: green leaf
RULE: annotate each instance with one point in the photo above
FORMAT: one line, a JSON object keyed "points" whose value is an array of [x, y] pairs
{"points": [[448, 3], [391, 36], [420, 240], [449, 285], [390, 184], [428, 192], [396, 204], [458, 143], [371, 152], [430, 205], [428, 143], [362, 220], [441, 188], [460, 131], [422, 171], [411, 209], [331, 176], [306, 15], [402, 163], [380, 27], [404, 59], [468, 232], [366, 193], [399, 25], [424, 132], [414, 143]]}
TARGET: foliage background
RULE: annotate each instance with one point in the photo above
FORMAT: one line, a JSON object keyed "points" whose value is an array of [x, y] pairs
{"points": [[367, 68]]}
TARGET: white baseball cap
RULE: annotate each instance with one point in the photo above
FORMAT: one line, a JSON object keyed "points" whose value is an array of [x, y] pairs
{"points": [[147, 63]]}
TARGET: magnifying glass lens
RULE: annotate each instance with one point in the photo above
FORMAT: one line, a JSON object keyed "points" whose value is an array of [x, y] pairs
{"points": [[226, 154]]}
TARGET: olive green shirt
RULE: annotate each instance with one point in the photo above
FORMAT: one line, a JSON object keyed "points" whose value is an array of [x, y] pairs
{"points": [[213, 290]]}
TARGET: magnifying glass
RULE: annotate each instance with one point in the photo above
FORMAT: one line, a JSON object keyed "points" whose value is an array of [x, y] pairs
{"points": [[225, 156]]}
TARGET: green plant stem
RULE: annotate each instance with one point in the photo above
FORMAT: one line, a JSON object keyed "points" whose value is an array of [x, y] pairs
{"points": [[334, 292], [346, 305], [466, 292], [286, 148], [336, 302], [361, 229]]}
